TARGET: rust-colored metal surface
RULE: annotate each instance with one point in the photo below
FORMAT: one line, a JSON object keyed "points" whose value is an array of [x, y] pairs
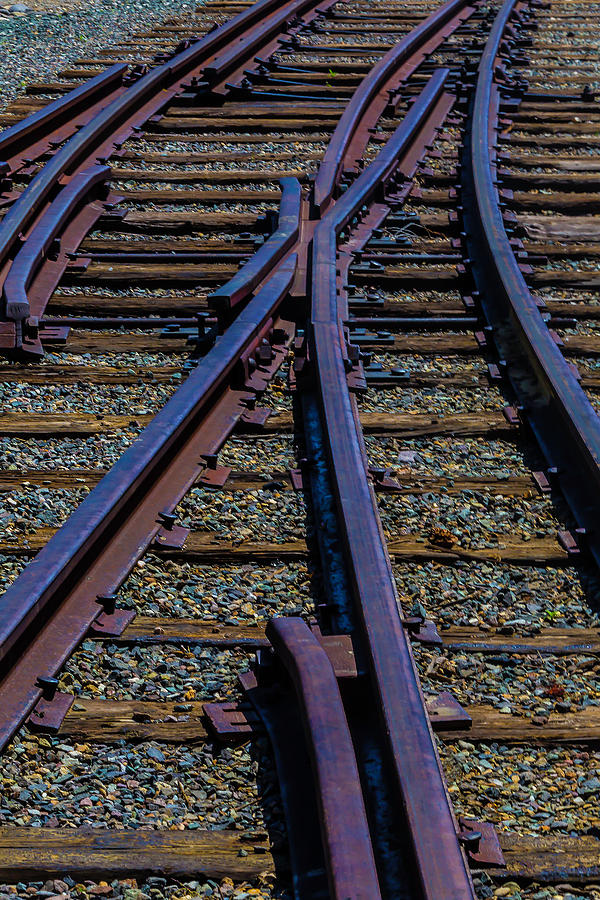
{"points": [[440, 860]]}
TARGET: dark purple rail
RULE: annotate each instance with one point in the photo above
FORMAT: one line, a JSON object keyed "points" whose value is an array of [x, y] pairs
{"points": [[261, 263], [564, 419], [35, 249], [333, 160], [42, 582], [344, 827], [220, 67], [441, 866], [150, 86], [44, 120]]}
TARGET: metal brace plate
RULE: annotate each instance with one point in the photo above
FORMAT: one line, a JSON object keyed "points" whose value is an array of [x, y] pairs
{"points": [[541, 482], [172, 538], [256, 418], [297, 479], [568, 542], [48, 715], [112, 624], [231, 720], [486, 851], [423, 631], [54, 334], [446, 712], [215, 476]]}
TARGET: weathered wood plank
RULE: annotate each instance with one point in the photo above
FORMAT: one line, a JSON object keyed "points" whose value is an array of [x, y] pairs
{"points": [[418, 425], [550, 859], [151, 630], [489, 724], [166, 722], [135, 720], [206, 547], [121, 305], [30, 854], [39, 424], [519, 486], [402, 424], [551, 641], [561, 228], [57, 374]]}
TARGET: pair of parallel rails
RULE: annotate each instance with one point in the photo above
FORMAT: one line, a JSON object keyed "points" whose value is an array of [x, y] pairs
{"points": [[71, 585]]}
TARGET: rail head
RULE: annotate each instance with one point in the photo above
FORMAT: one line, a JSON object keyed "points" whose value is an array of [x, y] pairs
{"points": [[331, 166], [344, 827], [111, 121], [38, 123], [549, 387], [440, 862], [33, 252], [42, 583], [246, 279]]}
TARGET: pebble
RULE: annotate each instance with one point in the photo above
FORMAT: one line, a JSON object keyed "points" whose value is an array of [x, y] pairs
{"points": [[266, 455], [437, 400], [239, 516], [103, 399], [42, 38], [492, 594], [26, 509], [519, 685], [55, 782], [154, 672], [453, 456], [152, 888], [493, 782], [232, 594], [476, 519]]}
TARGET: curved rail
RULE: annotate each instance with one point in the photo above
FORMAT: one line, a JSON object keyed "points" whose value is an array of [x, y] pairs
{"points": [[33, 252], [45, 119], [149, 87], [73, 567], [260, 263], [333, 160], [441, 865], [547, 384], [344, 827]]}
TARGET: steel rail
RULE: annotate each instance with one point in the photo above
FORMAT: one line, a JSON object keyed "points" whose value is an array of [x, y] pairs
{"points": [[441, 865], [39, 123], [91, 554], [336, 154], [345, 833], [34, 251], [152, 86], [241, 285], [33, 254], [564, 420]]}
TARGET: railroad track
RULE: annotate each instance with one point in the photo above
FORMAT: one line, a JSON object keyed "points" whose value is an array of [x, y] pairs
{"points": [[301, 458]]}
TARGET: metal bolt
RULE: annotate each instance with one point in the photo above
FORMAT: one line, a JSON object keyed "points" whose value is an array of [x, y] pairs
{"points": [[108, 602], [48, 686]]}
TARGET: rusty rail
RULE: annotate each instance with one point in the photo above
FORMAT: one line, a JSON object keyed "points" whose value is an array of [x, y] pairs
{"points": [[35, 250], [40, 123], [94, 550], [440, 861], [344, 827], [565, 422], [413, 47], [261, 263], [134, 106]]}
